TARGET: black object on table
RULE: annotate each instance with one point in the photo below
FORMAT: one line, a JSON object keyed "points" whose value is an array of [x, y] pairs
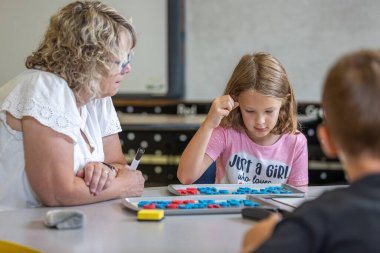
{"points": [[259, 213]]}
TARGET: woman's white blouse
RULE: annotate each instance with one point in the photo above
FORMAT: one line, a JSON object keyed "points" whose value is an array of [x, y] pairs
{"points": [[48, 99]]}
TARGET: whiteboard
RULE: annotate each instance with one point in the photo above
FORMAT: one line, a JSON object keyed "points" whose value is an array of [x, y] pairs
{"points": [[305, 35], [23, 23]]}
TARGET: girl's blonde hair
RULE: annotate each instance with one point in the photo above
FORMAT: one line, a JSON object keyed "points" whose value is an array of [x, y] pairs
{"points": [[264, 74], [81, 44]]}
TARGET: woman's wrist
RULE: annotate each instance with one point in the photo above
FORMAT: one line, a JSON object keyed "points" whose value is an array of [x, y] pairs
{"points": [[112, 168]]}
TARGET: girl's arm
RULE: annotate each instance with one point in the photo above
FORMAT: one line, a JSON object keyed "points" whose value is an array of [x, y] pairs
{"points": [[194, 161], [49, 159]]}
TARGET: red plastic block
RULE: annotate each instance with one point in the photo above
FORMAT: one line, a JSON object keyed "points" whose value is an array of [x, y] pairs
{"points": [[172, 206], [149, 206], [177, 201], [182, 192], [192, 191]]}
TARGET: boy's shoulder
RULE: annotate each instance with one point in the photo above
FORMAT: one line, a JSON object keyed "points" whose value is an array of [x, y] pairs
{"points": [[323, 214], [333, 196], [337, 201], [347, 214]]}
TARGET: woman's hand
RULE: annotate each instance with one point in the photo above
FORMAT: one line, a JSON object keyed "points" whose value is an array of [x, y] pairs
{"points": [[259, 233], [133, 182], [220, 107], [97, 176]]}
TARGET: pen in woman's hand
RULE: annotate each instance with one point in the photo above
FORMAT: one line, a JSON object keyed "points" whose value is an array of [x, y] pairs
{"points": [[137, 158]]}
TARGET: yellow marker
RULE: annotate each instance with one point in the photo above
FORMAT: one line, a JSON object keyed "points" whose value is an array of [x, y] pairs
{"points": [[150, 214]]}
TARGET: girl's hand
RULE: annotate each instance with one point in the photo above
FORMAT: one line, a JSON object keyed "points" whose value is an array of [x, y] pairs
{"points": [[220, 107], [259, 233], [97, 176]]}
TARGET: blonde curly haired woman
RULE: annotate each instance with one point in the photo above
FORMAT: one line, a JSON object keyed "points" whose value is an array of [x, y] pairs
{"points": [[58, 127]]}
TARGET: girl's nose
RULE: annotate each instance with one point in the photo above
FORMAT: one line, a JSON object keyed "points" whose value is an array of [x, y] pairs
{"points": [[260, 119]]}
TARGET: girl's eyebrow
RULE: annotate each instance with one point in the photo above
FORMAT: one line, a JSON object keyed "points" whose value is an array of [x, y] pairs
{"points": [[250, 108]]}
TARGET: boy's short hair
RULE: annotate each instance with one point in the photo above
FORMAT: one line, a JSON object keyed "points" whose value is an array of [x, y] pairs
{"points": [[351, 101]]}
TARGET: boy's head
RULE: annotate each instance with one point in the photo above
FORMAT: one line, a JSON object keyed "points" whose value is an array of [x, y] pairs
{"points": [[264, 74], [351, 102]]}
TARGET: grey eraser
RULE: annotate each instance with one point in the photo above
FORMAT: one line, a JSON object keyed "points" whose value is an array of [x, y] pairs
{"points": [[64, 219]]}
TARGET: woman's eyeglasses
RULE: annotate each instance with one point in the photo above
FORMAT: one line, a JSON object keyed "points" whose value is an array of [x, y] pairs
{"points": [[123, 64]]}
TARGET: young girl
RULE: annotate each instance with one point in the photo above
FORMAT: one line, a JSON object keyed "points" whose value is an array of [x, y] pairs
{"points": [[250, 131]]}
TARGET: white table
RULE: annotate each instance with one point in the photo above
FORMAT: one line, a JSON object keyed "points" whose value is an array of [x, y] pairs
{"points": [[112, 228]]}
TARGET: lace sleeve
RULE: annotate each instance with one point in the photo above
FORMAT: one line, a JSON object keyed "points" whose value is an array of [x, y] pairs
{"points": [[45, 97], [47, 115], [109, 121]]}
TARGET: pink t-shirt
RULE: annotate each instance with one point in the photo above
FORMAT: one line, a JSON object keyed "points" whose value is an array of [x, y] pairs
{"points": [[239, 160]]}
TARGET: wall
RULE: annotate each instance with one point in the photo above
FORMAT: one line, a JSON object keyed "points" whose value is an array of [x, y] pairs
{"points": [[23, 23], [306, 36]]}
